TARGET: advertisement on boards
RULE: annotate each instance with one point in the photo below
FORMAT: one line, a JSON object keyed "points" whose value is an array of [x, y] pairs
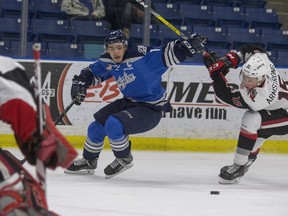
{"points": [[195, 114]]}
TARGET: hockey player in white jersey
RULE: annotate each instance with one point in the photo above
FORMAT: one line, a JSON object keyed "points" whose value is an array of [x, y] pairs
{"points": [[262, 92]]}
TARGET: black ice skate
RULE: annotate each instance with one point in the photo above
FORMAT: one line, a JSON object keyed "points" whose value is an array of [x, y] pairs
{"points": [[118, 165], [231, 174], [82, 167]]}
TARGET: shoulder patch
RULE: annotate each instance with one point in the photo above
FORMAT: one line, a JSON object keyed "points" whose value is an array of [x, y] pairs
{"points": [[142, 49]]}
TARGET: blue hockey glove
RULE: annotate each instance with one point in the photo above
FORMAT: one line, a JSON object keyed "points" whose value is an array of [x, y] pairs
{"points": [[194, 44], [78, 89]]}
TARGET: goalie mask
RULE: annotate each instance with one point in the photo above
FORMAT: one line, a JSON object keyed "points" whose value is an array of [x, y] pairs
{"points": [[116, 36], [254, 71]]}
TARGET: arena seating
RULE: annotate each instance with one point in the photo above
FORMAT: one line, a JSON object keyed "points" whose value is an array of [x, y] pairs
{"points": [[227, 23], [15, 49], [136, 32], [5, 48], [217, 36], [89, 31], [171, 12], [52, 30], [62, 50], [230, 17]]}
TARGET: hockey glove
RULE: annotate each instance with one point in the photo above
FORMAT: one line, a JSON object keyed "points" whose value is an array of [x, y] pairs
{"points": [[78, 89], [51, 147], [213, 63], [247, 50], [217, 65], [193, 45], [231, 60]]}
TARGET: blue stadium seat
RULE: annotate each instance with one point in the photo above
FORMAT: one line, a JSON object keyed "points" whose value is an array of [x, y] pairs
{"points": [[65, 50], [262, 18], [91, 32], [136, 34], [194, 2], [47, 9], [221, 52], [10, 29], [5, 48], [282, 57], [169, 12], [240, 36], [167, 35], [230, 16], [217, 37], [52, 30], [15, 49], [223, 3], [275, 39], [160, 1], [12, 8], [196, 15], [249, 3], [273, 57], [11, 4]]}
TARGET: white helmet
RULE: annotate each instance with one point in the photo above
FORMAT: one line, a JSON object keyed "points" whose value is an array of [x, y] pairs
{"points": [[257, 66]]}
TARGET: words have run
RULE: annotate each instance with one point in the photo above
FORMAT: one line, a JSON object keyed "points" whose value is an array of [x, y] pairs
{"points": [[194, 101]]}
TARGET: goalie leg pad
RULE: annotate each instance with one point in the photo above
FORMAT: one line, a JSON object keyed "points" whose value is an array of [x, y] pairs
{"points": [[55, 149], [18, 189]]}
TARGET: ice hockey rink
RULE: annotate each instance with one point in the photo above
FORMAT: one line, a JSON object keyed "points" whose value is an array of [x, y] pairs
{"points": [[171, 184]]}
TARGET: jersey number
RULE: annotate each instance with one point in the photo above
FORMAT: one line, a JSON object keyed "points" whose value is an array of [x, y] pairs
{"points": [[283, 94]]}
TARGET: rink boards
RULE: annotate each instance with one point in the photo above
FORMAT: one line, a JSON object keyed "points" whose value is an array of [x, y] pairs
{"points": [[197, 123]]}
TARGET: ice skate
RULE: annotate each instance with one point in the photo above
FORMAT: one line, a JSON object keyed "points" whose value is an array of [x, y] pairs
{"points": [[118, 165], [82, 167], [231, 174]]}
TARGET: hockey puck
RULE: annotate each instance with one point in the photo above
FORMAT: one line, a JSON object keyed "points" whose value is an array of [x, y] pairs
{"points": [[214, 192]]}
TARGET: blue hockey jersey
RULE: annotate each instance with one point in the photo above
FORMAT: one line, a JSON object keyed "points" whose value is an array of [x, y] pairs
{"points": [[139, 74]]}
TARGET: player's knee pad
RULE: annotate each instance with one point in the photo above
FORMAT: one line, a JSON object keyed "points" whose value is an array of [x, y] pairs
{"points": [[96, 132], [251, 121], [114, 128]]}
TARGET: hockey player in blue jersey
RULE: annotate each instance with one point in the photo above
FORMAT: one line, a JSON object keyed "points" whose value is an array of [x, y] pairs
{"points": [[137, 71]]}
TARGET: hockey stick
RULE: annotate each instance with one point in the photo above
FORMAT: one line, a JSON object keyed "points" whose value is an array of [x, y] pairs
{"points": [[12, 156], [164, 21], [65, 111], [40, 168]]}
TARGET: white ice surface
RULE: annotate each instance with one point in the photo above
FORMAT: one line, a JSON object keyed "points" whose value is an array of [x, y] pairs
{"points": [[171, 184]]}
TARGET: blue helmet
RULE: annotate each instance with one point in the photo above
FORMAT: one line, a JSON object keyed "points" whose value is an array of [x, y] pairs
{"points": [[115, 36]]}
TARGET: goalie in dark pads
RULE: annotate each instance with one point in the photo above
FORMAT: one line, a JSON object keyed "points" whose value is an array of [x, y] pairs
{"points": [[137, 71], [262, 92]]}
